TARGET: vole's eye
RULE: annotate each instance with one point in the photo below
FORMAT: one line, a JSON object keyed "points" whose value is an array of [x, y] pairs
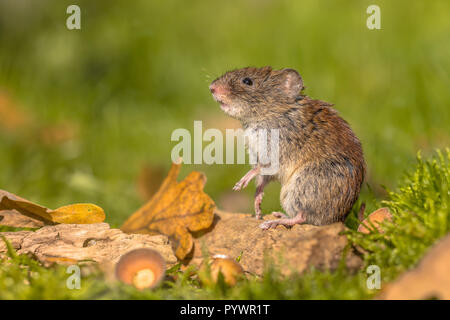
{"points": [[247, 81]]}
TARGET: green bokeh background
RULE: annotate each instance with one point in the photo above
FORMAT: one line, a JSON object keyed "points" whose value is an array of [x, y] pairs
{"points": [[137, 70]]}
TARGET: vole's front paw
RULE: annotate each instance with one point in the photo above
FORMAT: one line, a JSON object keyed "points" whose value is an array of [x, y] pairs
{"points": [[241, 184], [237, 186]]}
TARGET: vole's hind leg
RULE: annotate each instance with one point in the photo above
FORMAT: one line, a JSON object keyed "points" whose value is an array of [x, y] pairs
{"points": [[277, 214], [261, 182], [245, 180], [288, 222]]}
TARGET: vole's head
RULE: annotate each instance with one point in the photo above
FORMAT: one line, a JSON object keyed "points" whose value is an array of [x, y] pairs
{"points": [[252, 92]]}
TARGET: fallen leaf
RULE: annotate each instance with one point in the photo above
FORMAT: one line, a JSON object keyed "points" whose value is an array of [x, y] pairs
{"points": [[374, 220], [79, 213], [74, 213], [13, 218], [176, 209]]}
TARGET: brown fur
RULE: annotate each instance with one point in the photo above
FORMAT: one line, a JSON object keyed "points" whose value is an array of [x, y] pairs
{"points": [[322, 165]]}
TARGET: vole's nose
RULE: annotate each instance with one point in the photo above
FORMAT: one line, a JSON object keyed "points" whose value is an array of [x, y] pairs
{"points": [[212, 88]]}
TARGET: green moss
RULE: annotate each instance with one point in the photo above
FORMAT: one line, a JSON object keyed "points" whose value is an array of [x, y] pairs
{"points": [[421, 215]]}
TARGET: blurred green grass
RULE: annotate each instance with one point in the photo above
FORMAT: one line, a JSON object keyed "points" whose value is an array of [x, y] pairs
{"points": [[137, 71]]}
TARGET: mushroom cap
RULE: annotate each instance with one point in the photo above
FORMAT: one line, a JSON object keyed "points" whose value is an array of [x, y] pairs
{"points": [[143, 268]]}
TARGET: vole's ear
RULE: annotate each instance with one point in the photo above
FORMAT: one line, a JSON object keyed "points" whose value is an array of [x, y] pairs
{"points": [[292, 82]]}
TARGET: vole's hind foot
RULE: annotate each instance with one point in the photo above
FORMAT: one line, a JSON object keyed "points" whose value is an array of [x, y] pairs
{"points": [[287, 222]]}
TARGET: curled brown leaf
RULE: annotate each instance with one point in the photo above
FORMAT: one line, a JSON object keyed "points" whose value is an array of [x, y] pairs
{"points": [[175, 210]]}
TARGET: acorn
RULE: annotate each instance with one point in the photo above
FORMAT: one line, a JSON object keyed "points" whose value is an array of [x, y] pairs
{"points": [[142, 268], [230, 269]]}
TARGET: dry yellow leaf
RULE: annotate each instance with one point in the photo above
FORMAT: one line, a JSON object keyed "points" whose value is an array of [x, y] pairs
{"points": [[176, 209], [81, 213], [75, 213]]}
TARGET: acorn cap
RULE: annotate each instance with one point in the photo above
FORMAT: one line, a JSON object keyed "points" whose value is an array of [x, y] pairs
{"points": [[142, 268]]}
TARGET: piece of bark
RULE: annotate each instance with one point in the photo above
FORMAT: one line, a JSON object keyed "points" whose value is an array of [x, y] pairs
{"points": [[83, 242], [429, 280], [292, 250]]}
